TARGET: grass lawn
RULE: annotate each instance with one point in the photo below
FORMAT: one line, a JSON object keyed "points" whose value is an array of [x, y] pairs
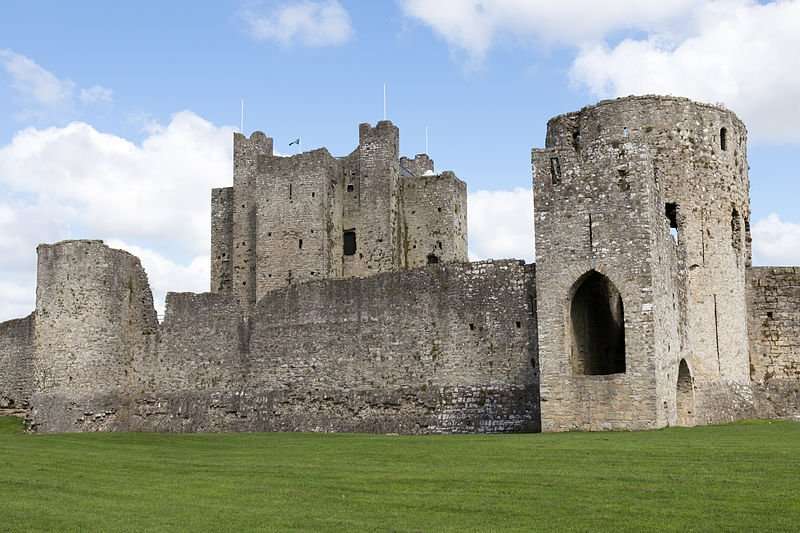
{"points": [[737, 477]]}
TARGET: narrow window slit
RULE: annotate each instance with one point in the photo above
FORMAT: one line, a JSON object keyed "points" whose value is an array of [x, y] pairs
{"points": [[555, 170], [671, 212]]}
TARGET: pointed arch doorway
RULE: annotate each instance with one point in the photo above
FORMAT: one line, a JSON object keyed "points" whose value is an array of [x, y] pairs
{"points": [[684, 399]]}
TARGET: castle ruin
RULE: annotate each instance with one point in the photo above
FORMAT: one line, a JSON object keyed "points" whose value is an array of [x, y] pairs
{"points": [[342, 298]]}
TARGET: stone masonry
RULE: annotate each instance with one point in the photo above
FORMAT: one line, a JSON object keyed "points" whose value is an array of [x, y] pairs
{"points": [[651, 194], [312, 216], [342, 299]]}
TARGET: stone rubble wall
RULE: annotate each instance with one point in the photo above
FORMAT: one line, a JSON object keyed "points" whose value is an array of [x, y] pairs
{"points": [[774, 321], [439, 349], [446, 348], [16, 362]]}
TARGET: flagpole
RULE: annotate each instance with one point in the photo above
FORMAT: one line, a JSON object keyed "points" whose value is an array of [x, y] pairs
{"points": [[426, 141], [384, 101], [241, 124]]}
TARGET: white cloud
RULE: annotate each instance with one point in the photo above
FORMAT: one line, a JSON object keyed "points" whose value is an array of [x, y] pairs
{"points": [[77, 182], [311, 23], [96, 94], [736, 52], [776, 242], [474, 25], [33, 82], [40, 91], [500, 224], [108, 185]]}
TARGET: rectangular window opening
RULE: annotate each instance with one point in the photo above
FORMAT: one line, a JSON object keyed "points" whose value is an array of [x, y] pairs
{"points": [[671, 212], [349, 242]]}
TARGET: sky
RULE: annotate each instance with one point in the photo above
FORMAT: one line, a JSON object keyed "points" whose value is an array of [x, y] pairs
{"points": [[118, 116]]}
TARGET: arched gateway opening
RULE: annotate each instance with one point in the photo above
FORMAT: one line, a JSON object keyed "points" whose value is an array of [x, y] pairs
{"points": [[684, 400], [598, 326]]}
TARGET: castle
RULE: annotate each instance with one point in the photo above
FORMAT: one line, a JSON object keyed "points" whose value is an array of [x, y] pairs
{"points": [[342, 298]]}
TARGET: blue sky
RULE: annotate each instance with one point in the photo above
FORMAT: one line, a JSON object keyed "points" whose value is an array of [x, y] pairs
{"points": [[118, 115]]}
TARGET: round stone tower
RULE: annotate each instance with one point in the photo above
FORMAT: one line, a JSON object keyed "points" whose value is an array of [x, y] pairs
{"points": [[95, 315], [646, 199]]}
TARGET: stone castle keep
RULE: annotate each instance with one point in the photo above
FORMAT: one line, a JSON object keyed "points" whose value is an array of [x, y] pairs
{"points": [[342, 298]]}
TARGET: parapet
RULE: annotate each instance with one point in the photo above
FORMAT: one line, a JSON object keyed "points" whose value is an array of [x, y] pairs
{"points": [[258, 143], [420, 165], [631, 116], [385, 130]]}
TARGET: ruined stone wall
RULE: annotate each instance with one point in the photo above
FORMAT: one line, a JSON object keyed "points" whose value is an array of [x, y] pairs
{"points": [[437, 349], [94, 318], [434, 211], [222, 209], [16, 362], [298, 220], [774, 324], [447, 348]]}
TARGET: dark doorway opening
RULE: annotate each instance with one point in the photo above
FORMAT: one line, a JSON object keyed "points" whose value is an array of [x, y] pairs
{"points": [[684, 400], [598, 327]]}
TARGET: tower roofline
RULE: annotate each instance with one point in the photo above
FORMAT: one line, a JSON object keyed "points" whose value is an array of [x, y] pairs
{"points": [[649, 97]]}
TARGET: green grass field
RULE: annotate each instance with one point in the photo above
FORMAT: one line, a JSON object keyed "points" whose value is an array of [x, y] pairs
{"points": [[736, 477]]}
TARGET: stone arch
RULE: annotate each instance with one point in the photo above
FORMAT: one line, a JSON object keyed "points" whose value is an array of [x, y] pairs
{"points": [[684, 395], [597, 325]]}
